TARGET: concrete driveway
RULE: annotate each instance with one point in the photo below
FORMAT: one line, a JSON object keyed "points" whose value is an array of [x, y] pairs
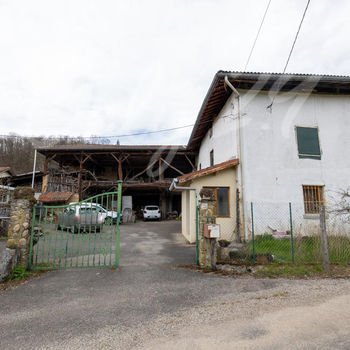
{"points": [[145, 302]]}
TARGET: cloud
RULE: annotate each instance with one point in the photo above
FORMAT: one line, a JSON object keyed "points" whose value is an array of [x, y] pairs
{"points": [[112, 67]]}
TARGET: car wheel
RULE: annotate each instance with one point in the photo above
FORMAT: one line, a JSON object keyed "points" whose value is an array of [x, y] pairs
{"points": [[108, 221]]}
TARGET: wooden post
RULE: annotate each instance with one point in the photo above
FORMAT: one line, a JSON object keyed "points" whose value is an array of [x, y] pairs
{"points": [[120, 170], [160, 172], [80, 178], [238, 219], [45, 176], [323, 234]]}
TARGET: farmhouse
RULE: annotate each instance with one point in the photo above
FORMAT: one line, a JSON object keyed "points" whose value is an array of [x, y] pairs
{"points": [[288, 135]]}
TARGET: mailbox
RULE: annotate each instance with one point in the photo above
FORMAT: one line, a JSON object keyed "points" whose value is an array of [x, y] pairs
{"points": [[211, 231]]}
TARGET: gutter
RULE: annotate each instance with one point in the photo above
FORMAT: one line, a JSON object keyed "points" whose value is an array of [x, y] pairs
{"points": [[173, 187], [239, 151]]}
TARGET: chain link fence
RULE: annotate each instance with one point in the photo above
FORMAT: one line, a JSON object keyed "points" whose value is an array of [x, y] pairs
{"points": [[282, 232]]}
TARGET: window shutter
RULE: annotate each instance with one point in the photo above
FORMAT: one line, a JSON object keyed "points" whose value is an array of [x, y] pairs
{"points": [[308, 143]]}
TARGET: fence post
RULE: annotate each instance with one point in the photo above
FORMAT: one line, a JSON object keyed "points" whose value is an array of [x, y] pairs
{"points": [[253, 234], [291, 232], [119, 205], [325, 257]]}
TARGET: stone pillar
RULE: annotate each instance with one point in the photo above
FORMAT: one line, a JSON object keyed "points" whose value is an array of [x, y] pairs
{"points": [[20, 223], [207, 215]]}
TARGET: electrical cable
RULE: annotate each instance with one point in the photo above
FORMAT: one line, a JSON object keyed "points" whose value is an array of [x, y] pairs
{"points": [[257, 36], [291, 50], [97, 137]]}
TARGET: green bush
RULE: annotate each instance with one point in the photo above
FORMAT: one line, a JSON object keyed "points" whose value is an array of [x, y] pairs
{"points": [[19, 272]]}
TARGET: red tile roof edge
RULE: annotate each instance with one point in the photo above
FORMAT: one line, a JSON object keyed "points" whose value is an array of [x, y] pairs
{"points": [[55, 197], [207, 171]]}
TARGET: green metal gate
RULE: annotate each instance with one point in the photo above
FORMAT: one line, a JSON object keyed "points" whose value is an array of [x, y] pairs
{"points": [[82, 234]]}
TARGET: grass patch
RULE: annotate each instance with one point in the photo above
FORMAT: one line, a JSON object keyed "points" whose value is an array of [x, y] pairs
{"points": [[3, 238], [306, 249], [289, 271]]}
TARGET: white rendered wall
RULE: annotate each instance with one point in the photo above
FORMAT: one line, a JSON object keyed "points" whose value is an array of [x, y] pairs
{"points": [[273, 172]]}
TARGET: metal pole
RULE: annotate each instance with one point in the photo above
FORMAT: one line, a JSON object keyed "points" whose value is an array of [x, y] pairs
{"points": [[253, 234], [34, 167], [323, 233], [291, 231], [119, 204]]}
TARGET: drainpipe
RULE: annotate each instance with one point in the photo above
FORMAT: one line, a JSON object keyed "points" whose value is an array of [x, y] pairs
{"points": [[174, 186], [239, 151], [34, 167]]}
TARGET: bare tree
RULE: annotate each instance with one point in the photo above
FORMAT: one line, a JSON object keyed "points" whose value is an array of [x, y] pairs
{"points": [[340, 204]]}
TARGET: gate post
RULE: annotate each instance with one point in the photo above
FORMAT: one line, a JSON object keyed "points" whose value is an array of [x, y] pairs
{"points": [[207, 215], [20, 223]]}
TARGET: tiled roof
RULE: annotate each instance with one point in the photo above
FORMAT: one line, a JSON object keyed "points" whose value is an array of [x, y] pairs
{"points": [[332, 76], [92, 147], [219, 93], [55, 197], [207, 171]]}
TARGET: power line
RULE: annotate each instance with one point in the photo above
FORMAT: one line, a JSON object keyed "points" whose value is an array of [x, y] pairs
{"points": [[98, 137], [296, 36], [292, 48], [257, 35]]}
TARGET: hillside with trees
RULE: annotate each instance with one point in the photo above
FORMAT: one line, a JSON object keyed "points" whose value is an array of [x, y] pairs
{"points": [[17, 152]]}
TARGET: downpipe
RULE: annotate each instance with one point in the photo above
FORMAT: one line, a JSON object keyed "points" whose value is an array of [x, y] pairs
{"points": [[239, 151]]}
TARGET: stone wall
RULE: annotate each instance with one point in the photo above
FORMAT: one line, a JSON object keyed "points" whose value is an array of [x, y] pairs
{"points": [[20, 223]]}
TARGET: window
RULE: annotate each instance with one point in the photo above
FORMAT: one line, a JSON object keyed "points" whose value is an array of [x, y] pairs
{"points": [[308, 143], [222, 198], [212, 157], [222, 195], [200, 166], [210, 132], [313, 198]]}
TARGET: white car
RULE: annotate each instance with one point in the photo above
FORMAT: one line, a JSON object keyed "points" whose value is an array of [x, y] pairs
{"points": [[108, 216], [151, 212]]}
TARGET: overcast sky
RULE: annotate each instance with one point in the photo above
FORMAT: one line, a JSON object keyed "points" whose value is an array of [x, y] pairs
{"points": [[81, 67]]}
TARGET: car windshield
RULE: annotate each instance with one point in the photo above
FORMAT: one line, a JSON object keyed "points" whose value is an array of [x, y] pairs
{"points": [[152, 208]]}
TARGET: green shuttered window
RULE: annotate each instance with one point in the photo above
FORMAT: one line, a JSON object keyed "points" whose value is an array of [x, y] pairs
{"points": [[308, 143]]}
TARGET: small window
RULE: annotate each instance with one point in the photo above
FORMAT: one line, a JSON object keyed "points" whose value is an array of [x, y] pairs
{"points": [[313, 199], [212, 157], [200, 166], [308, 143], [210, 132], [222, 197]]}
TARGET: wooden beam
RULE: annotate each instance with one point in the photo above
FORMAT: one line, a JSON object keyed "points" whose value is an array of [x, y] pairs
{"points": [[160, 170], [188, 159], [120, 160], [172, 167], [80, 188], [143, 171]]}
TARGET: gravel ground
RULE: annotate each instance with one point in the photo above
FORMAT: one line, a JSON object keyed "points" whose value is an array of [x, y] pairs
{"points": [[150, 303]]}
